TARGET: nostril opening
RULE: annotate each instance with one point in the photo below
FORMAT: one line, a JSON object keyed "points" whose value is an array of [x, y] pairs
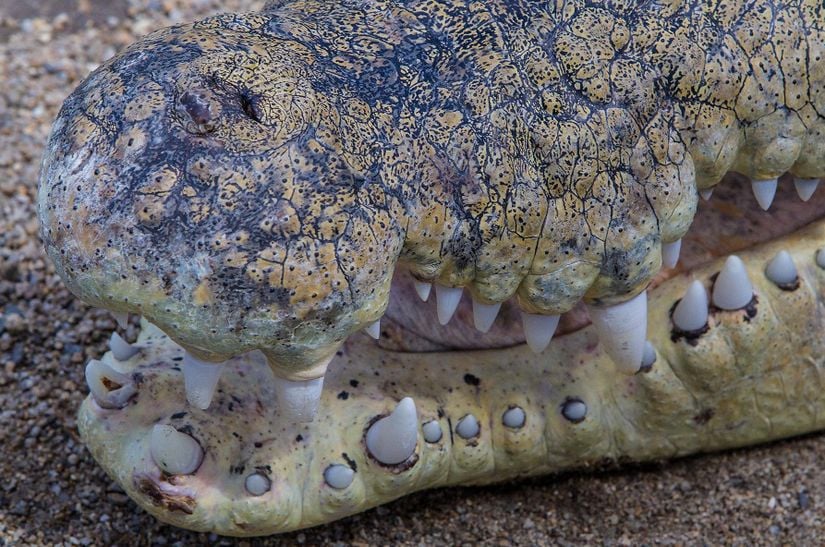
{"points": [[249, 106], [198, 109]]}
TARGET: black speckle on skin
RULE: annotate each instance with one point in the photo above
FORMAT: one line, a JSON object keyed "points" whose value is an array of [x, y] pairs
{"points": [[353, 383], [704, 417], [299, 438], [350, 461], [343, 395], [178, 415], [471, 380]]}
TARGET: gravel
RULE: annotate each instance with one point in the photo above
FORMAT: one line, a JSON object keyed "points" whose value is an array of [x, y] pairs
{"points": [[53, 493]]}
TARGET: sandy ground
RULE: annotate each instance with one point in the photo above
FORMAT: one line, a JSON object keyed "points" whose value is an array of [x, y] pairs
{"points": [[51, 491]]}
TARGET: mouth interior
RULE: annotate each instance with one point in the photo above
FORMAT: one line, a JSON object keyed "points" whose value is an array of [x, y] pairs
{"points": [[730, 221]]}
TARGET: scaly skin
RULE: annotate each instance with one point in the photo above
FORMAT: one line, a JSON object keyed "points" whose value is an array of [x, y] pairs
{"points": [[253, 182], [747, 380]]}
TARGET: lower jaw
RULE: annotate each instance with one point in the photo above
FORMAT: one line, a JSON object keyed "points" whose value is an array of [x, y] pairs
{"points": [[747, 379]]}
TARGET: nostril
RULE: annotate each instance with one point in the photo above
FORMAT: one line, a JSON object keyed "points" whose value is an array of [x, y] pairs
{"points": [[197, 107], [249, 105]]}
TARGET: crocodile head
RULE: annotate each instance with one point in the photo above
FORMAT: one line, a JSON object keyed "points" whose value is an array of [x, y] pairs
{"points": [[263, 187]]}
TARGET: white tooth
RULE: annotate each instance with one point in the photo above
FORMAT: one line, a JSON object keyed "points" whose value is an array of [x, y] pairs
{"points": [[175, 452], [423, 289], [649, 356], [732, 289], [447, 299], [392, 439], [706, 193], [484, 315], [121, 349], [805, 188], [298, 399], [820, 258], [432, 431], [781, 269], [764, 191], [257, 484], [538, 329], [374, 330], [670, 253], [110, 388], [691, 313], [514, 417], [122, 318], [200, 379], [339, 476], [622, 330], [468, 427]]}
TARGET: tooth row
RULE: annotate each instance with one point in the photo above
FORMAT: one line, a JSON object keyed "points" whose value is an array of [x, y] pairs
{"points": [[765, 190]]}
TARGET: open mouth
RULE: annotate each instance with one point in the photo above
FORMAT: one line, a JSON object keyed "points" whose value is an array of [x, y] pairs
{"points": [[276, 212]]}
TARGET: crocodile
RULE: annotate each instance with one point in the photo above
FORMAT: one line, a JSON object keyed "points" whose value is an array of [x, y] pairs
{"points": [[275, 192]]}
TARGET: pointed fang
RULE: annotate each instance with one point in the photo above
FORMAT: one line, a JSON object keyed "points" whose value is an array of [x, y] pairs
{"points": [[691, 313], [622, 331], [391, 440], [484, 315], [374, 330], [539, 330], [121, 349], [109, 388], [805, 188], [200, 379], [122, 318], [174, 452], [423, 289], [732, 289], [781, 269], [670, 253], [764, 192], [706, 193], [447, 299]]}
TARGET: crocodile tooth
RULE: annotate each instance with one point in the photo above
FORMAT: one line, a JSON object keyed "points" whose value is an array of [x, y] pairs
{"points": [[338, 476], [200, 379], [706, 193], [374, 330], [432, 431], [538, 330], [298, 399], [468, 427], [805, 188], [109, 387], [514, 417], [820, 258], [121, 349], [764, 192], [122, 318], [447, 299], [574, 410], [423, 289], [781, 269], [670, 253], [691, 313], [392, 439], [257, 484], [622, 330], [174, 452], [732, 289], [484, 315]]}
